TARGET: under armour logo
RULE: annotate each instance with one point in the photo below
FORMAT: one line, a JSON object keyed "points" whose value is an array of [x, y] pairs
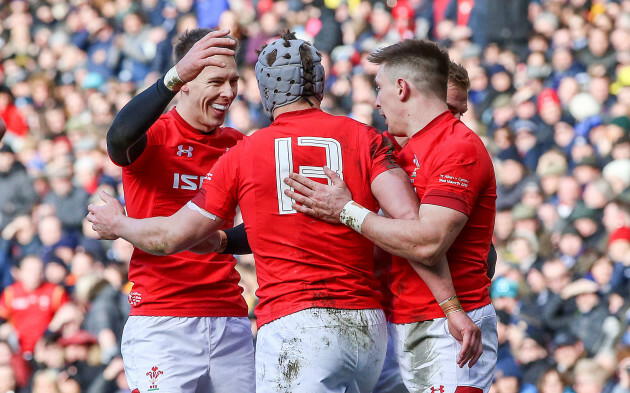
{"points": [[182, 151], [435, 390]]}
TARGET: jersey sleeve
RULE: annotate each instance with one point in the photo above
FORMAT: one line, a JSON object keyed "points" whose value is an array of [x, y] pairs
{"points": [[383, 153], [456, 178], [219, 192]]}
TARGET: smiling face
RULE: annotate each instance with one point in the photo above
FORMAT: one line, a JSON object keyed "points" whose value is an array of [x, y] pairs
{"points": [[206, 99]]}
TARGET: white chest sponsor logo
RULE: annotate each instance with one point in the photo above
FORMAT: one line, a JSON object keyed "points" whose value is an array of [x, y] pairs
{"points": [[187, 182], [187, 151]]}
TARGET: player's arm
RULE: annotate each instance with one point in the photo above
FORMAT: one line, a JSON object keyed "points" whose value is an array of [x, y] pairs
{"points": [[126, 138], [156, 235], [424, 241]]}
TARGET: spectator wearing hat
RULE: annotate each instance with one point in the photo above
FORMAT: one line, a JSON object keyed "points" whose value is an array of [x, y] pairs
{"points": [[504, 294], [619, 246], [552, 165], [587, 223], [79, 365], [17, 195], [570, 246], [532, 356], [566, 350], [621, 148], [593, 323], [587, 169], [528, 143], [618, 175], [507, 377]]}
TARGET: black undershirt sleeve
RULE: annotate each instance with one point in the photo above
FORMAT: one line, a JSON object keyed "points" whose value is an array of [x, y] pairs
{"points": [[237, 243], [126, 138], [492, 260]]}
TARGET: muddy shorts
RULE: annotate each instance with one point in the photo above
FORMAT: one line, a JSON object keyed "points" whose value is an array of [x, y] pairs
{"points": [[427, 354], [321, 350], [189, 354], [390, 380]]}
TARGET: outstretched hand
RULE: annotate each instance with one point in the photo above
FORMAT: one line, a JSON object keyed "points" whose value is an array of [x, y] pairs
{"points": [[203, 53], [321, 201], [464, 330], [104, 217]]}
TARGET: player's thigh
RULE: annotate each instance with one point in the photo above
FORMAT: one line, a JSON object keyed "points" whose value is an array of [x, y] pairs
{"points": [[428, 355], [169, 354], [231, 356], [390, 380], [321, 350]]}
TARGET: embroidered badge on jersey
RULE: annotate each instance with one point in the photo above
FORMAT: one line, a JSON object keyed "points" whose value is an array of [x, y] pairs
{"points": [[153, 377]]}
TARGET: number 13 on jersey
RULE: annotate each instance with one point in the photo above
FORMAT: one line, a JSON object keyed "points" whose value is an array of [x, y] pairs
{"points": [[284, 165]]}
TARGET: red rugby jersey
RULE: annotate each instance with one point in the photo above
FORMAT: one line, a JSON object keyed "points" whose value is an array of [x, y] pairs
{"points": [[166, 176], [302, 262], [30, 312], [449, 166]]}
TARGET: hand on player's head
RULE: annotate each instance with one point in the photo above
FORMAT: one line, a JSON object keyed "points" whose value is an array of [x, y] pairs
{"points": [[318, 200], [103, 217], [205, 53]]}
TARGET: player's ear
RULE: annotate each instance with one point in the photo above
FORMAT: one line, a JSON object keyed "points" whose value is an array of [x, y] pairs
{"points": [[403, 89]]}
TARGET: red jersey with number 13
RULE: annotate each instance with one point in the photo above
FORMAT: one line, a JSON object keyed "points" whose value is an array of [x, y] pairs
{"points": [[302, 262], [167, 174]]}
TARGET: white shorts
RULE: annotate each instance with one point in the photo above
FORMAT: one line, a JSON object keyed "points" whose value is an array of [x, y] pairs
{"points": [[189, 354], [321, 350], [390, 380], [427, 354]]}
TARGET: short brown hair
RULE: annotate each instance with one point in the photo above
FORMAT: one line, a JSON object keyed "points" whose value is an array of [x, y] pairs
{"points": [[187, 39], [422, 61], [458, 76]]}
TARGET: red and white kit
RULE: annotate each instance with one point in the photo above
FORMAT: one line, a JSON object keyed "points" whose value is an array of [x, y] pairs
{"points": [[449, 166], [302, 263], [168, 173]]}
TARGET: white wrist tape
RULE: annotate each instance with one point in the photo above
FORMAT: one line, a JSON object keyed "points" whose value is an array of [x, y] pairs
{"points": [[352, 215], [172, 81]]}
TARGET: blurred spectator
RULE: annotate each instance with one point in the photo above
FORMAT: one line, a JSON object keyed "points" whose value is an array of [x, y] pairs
{"points": [[590, 377], [17, 195], [551, 382], [567, 349], [593, 323], [69, 201], [30, 303]]}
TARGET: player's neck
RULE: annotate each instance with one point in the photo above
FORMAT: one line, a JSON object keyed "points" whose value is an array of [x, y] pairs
{"points": [[298, 105], [431, 108]]}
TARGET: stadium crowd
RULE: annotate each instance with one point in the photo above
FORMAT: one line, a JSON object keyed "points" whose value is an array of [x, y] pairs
{"points": [[549, 95]]}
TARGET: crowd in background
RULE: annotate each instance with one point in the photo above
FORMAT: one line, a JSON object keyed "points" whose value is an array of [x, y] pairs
{"points": [[550, 97]]}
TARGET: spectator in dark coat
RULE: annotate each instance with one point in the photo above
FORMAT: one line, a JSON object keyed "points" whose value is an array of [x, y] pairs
{"points": [[17, 195]]}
